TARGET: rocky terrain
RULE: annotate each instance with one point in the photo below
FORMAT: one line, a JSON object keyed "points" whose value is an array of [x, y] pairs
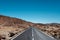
{"points": [[52, 29], [10, 26]]}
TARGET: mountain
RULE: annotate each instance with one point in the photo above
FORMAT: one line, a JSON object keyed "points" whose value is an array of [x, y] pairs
{"points": [[8, 21], [9, 26]]}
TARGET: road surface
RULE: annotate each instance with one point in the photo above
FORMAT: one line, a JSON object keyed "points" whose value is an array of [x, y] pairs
{"points": [[39, 35], [27, 35], [33, 34]]}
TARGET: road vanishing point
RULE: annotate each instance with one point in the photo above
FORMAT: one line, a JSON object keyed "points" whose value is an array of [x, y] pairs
{"points": [[33, 34]]}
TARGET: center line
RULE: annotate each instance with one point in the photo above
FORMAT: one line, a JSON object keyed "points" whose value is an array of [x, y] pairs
{"points": [[32, 35]]}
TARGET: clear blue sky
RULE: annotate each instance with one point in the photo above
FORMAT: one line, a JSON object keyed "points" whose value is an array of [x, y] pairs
{"points": [[38, 11]]}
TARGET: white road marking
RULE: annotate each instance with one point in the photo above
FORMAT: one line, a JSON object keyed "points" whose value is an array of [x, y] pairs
{"points": [[32, 35]]}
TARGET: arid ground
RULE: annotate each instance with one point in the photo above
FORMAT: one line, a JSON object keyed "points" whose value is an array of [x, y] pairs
{"points": [[10, 26]]}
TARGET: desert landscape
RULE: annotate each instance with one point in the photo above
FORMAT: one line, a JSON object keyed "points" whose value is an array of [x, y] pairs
{"points": [[10, 26]]}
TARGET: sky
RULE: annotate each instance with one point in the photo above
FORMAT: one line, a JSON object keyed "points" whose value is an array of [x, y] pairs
{"points": [[37, 11]]}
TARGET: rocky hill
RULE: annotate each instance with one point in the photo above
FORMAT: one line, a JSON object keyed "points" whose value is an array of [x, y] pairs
{"points": [[10, 26]]}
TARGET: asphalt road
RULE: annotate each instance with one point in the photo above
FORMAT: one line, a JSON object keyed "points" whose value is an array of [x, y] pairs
{"points": [[39, 35], [33, 34], [27, 35]]}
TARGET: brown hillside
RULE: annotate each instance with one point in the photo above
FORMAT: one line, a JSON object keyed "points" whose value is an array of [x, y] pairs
{"points": [[10, 26]]}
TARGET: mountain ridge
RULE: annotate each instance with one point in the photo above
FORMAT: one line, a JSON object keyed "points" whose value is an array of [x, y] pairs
{"points": [[12, 25]]}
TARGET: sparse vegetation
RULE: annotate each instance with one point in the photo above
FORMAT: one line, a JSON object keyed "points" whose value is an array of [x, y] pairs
{"points": [[11, 26]]}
